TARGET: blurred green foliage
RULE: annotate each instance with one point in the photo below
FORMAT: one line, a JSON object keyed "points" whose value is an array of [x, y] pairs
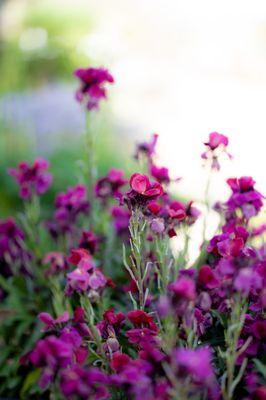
{"points": [[42, 44], [27, 62]]}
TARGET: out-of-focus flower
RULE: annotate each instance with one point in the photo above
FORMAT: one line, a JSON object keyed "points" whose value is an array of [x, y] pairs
{"points": [[90, 241], [216, 145], [85, 277], [196, 363], [109, 186], [177, 210], [161, 174], [183, 289], [83, 383], [32, 179], [244, 196], [92, 89], [246, 280], [207, 278], [217, 139], [121, 218], [13, 255], [56, 261], [51, 354], [50, 322], [69, 206], [147, 148]]}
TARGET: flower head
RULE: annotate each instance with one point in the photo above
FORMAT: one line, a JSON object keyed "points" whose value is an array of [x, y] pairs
{"points": [[244, 196], [196, 363], [147, 149], [92, 89], [109, 186], [216, 145], [32, 179], [142, 190]]}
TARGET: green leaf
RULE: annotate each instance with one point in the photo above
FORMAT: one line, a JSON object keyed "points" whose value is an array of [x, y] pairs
{"points": [[30, 380], [260, 367]]}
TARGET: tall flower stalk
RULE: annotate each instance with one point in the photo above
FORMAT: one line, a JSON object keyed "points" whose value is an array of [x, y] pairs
{"points": [[137, 268], [232, 335]]}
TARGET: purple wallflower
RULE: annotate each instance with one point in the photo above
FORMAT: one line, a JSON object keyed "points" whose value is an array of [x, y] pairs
{"points": [[56, 261], [13, 255], [84, 383], [69, 206], [147, 148], [244, 196], [246, 280], [121, 217], [50, 322], [109, 186], [92, 89], [85, 277], [161, 174], [32, 179], [196, 363], [142, 190], [216, 145], [51, 354]]}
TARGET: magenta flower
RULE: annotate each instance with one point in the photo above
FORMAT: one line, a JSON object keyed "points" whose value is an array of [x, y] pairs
{"points": [[50, 322], [51, 354], [244, 197], [196, 363], [57, 263], [12, 248], [140, 318], [121, 217], [70, 205], [142, 190], [85, 277], [216, 145], [216, 140], [110, 324], [109, 186], [207, 278], [147, 148], [32, 179], [177, 210], [81, 383], [161, 174], [82, 259], [92, 89], [246, 280], [90, 241], [183, 289]]}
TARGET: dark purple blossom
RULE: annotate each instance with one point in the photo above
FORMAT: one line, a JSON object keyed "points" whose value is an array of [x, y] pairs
{"points": [[69, 206], [84, 383], [110, 185], [244, 196], [216, 145], [92, 85], [50, 354], [14, 257], [147, 149], [196, 363], [32, 179]]}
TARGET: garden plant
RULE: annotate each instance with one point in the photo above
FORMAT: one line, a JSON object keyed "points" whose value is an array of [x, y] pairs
{"points": [[95, 302]]}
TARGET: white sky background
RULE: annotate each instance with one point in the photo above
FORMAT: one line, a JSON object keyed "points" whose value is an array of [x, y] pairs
{"points": [[184, 69]]}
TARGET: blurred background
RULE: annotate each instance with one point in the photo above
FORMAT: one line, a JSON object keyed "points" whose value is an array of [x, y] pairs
{"points": [[182, 69]]}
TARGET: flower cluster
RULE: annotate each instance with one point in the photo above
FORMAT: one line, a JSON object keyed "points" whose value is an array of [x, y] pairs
{"points": [[32, 179], [103, 308], [92, 88], [69, 206]]}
